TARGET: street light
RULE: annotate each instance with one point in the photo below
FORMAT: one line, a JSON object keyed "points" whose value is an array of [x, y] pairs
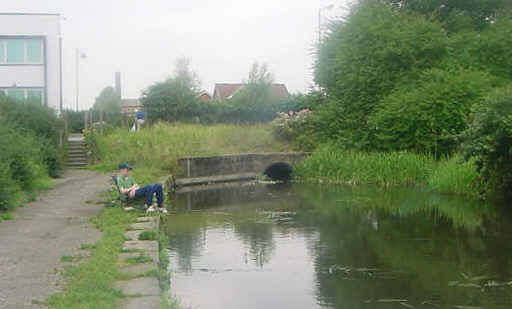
{"points": [[79, 55]]}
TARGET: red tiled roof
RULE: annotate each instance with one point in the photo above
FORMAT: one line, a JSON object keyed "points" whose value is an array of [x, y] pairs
{"points": [[224, 91], [280, 90]]}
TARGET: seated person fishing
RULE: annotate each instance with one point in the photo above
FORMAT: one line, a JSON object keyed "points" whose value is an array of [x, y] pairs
{"points": [[131, 190]]}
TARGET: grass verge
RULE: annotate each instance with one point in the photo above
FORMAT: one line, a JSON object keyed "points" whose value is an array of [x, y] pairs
{"points": [[330, 164], [91, 284]]}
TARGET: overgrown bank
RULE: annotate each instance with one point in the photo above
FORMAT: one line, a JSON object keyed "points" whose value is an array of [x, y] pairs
{"points": [[154, 150], [426, 77], [30, 153], [330, 164]]}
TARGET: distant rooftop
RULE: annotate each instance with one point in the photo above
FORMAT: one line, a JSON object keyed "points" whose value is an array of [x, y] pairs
{"points": [[227, 90]]}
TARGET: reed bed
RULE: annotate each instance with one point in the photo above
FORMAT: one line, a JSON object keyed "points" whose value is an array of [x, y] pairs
{"points": [[330, 164]]}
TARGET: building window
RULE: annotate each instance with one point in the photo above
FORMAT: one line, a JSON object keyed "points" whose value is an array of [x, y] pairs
{"points": [[34, 51], [25, 94], [21, 51], [15, 51]]}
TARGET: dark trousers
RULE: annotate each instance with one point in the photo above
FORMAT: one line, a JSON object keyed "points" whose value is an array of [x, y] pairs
{"points": [[148, 191]]}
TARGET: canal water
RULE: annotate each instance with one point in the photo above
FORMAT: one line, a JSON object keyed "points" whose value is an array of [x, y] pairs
{"points": [[257, 246]]}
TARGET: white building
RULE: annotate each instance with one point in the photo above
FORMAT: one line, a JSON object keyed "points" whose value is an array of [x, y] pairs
{"points": [[31, 57]]}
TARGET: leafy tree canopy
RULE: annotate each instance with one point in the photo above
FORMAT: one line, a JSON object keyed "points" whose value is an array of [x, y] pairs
{"points": [[109, 102], [175, 98]]}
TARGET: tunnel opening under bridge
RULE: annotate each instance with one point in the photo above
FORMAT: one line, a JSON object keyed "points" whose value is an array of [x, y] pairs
{"points": [[280, 171]]}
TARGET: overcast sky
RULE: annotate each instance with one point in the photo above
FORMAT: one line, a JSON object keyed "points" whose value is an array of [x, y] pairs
{"points": [[142, 39]]}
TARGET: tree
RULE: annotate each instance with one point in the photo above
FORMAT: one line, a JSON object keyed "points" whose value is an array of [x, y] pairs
{"points": [[255, 101], [457, 14], [364, 58], [175, 98], [489, 139], [428, 116], [108, 102]]}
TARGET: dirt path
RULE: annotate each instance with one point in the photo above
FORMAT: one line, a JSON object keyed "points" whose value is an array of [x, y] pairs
{"points": [[31, 245]]}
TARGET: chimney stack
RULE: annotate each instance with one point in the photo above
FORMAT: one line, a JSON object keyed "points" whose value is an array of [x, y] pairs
{"points": [[118, 84]]}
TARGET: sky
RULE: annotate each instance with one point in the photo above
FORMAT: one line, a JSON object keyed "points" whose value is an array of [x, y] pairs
{"points": [[143, 39]]}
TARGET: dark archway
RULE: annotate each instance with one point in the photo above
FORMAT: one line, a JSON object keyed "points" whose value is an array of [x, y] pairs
{"points": [[280, 171]]}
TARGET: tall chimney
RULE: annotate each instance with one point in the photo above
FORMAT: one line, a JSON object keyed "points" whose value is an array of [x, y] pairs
{"points": [[118, 84]]}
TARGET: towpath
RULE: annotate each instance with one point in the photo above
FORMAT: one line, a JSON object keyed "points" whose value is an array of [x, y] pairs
{"points": [[31, 245]]}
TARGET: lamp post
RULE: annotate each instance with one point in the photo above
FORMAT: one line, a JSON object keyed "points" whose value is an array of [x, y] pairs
{"points": [[78, 55]]}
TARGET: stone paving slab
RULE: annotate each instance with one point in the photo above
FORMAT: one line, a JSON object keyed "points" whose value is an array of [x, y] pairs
{"points": [[147, 302], [139, 269], [147, 219], [147, 286], [141, 245], [150, 225], [153, 255], [133, 235]]}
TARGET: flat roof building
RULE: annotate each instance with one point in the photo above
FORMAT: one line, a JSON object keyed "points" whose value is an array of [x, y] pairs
{"points": [[31, 57]]}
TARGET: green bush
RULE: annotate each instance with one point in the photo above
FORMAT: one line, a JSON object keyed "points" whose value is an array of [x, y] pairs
{"points": [[489, 140], [76, 120], [8, 187], [367, 56], [31, 119], [428, 116], [29, 135]]}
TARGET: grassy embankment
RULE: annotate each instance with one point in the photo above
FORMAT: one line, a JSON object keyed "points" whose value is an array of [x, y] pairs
{"points": [[153, 151], [329, 164]]}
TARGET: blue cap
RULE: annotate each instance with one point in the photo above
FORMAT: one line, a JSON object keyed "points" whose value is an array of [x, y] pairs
{"points": [[125, 165]]}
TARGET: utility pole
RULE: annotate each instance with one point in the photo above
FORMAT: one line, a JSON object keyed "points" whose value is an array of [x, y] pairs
{"points": [[78, 55], [77, 63]]}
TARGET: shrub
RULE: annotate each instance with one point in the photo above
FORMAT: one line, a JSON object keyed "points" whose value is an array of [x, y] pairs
{"points": [[76, 120], [364, 58], [489, 140], [29, 135], [288, 125], [39, 123], [8, 187], [428, 116]]}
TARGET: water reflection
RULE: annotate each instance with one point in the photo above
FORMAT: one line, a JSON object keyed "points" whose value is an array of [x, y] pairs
{"points": [[338, 247]]}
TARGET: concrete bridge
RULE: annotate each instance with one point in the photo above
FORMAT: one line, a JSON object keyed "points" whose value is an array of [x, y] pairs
{"points": [[226, 168]]}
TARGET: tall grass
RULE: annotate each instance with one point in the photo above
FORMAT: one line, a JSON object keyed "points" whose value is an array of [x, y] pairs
{"points": [[331, 164], [455, 176], [154, 150]]}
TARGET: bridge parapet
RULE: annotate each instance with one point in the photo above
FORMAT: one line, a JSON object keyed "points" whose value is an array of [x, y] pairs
{"points": [[257, 163]]}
